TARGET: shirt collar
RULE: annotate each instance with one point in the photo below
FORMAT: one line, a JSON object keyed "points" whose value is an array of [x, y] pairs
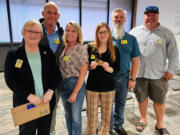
{"points": [[45, 30], [158, 28]]}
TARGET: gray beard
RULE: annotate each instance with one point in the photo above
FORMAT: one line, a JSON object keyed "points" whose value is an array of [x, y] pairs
{"points": [[118, 31]]}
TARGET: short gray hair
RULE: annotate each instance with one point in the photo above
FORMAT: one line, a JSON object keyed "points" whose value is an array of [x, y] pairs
{"points": [[118, 9]]}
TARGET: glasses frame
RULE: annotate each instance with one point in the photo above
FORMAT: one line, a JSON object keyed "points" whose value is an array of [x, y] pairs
{"points": [[33, 32], [103, 32]]}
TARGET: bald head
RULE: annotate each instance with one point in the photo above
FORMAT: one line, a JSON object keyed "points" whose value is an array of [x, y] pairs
{"points": [[50, 4], [50, 14]]}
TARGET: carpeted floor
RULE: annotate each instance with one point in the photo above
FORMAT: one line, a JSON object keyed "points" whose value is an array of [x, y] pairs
{"points": [[172, 115]]}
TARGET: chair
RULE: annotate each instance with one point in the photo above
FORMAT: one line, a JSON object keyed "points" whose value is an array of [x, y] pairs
{"points": [[130, 96], [84, 107], [174, 83]]}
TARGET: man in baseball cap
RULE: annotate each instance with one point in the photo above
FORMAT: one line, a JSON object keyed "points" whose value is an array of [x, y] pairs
{"points": [[151, 9], [157, 45]]}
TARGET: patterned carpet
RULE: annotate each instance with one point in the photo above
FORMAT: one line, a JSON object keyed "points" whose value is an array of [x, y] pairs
{"points": [[172, 115]]}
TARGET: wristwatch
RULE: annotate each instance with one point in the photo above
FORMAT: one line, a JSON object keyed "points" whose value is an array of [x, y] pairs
{"points": [[132, 79]]}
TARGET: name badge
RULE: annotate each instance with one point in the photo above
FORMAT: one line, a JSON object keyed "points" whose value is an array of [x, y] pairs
{"points": [[66, 58], [159, 41], [18, 63], [56, 41], [124, 42], [93, 56]]}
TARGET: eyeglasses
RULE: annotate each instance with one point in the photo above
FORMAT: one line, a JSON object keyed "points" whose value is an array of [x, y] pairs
{"points": [[152, 8], [102, 32], [33, 32]]}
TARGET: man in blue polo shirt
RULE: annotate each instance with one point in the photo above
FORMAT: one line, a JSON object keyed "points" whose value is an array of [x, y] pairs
{"points": [[126, 77], [52, 38]]}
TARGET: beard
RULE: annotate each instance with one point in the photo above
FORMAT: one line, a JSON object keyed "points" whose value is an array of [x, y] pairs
{"points": [[118, 30]]}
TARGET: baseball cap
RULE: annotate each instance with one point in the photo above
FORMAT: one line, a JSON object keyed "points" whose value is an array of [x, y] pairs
{"points": [[151, 9]]}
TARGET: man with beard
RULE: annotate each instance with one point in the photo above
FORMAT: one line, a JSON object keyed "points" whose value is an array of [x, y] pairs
{"points": [[126, 77], [157, 45], [52, 38]]}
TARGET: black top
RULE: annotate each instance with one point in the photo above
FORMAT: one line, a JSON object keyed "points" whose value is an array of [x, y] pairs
{"points": [[19, 78], [100, 80]]}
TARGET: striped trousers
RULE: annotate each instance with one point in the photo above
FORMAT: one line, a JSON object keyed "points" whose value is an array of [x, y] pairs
{"points": [[106, 100]]}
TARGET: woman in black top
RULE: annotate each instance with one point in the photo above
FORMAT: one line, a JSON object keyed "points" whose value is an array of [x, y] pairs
{"points": [[104, 62]]}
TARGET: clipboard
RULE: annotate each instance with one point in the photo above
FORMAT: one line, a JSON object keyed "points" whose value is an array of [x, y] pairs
{"points": [[28, 112]]}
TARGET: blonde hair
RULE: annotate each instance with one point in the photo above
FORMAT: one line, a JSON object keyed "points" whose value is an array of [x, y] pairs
{"points": [[110, 46], [77, 29], [32, 23]]}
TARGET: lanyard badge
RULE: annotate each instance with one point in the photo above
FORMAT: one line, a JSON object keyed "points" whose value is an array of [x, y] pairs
{"points": [[66, 58], [124, 42], [56, 41], [19, 63]]}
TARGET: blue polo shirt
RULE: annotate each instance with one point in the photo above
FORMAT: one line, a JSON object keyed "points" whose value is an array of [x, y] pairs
{"points": [[53, 39], [128, 48]]}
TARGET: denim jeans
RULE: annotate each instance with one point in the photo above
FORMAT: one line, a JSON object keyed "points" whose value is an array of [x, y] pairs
{"points": [[121, 88], [72, 110]]}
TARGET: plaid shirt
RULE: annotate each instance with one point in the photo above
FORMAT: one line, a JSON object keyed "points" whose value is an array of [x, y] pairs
{"points": [[159, 52]]}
